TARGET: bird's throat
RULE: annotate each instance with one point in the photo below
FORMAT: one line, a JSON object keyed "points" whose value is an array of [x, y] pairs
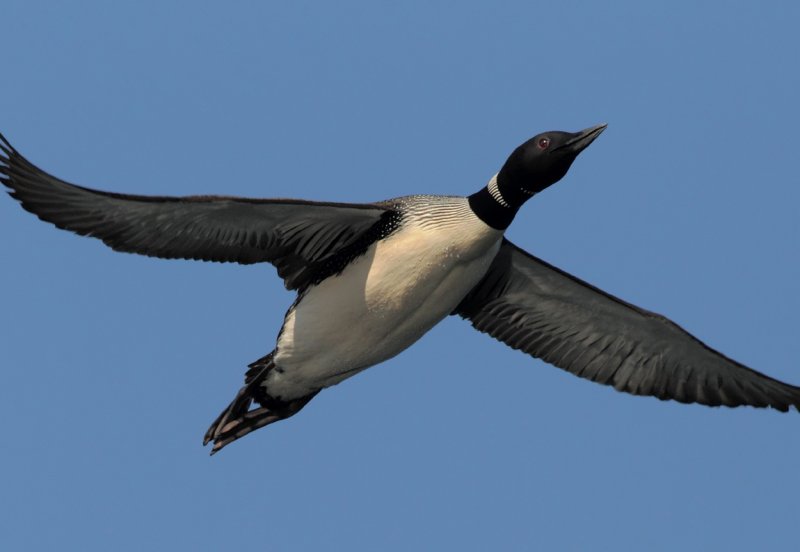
{"points": [[496, 204]]}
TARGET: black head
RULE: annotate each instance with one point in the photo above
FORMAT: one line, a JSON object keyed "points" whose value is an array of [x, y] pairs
{"points": [[544, 160], [538, 163]]}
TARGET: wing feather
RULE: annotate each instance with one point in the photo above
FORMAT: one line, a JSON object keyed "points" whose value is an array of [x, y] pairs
{"points": [[294, 235], [545, 312]]}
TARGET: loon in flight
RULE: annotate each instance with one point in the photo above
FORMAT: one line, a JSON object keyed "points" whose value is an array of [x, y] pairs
{"points": [[373, 278]]}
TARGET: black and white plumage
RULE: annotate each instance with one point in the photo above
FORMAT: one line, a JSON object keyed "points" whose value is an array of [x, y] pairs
{"points": [[373, 278]]}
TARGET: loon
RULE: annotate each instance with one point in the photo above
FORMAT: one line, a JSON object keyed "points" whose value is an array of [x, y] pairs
{"points": [[371, 279]]}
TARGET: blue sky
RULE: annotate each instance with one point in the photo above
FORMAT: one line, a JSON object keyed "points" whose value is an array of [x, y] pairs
{"points": [[114, 365]]}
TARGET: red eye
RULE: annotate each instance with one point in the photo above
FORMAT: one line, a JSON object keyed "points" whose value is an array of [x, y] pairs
{"points": [[543, 143]]}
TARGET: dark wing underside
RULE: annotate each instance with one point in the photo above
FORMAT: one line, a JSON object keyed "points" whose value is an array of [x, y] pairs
{"points": [[293, 235], [543, 311]]}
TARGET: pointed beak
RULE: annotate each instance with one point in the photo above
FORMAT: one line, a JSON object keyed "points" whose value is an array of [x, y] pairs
{"points": [[581, 140]]}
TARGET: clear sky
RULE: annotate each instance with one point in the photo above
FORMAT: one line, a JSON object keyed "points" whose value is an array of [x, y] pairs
{"points": [[112, 366]]}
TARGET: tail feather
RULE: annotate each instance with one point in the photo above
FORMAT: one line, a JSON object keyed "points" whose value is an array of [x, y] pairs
{"points": [[237, 420]]}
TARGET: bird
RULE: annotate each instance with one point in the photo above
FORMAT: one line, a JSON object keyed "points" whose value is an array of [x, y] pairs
{"points": [[372, 278]]}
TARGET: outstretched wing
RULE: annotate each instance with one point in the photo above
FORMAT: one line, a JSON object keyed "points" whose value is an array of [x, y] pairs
{"points": [[547, 313], [294, 235]]}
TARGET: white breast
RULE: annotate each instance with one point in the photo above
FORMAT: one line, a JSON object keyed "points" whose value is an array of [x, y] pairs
{"points": [[385, 300]]}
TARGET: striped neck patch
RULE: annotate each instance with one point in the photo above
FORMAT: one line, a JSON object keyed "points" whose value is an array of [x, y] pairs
{"points": [[494, 191]]}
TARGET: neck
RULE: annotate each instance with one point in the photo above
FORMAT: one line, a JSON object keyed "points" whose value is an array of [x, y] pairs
{"points": [[497, 203]]}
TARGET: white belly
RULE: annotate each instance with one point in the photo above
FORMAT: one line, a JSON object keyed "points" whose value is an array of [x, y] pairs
{"points": [[381, 303]]}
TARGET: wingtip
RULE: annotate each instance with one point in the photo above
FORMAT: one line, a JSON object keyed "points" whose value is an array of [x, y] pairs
{"points": [[6, 148], [5, 145]]}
